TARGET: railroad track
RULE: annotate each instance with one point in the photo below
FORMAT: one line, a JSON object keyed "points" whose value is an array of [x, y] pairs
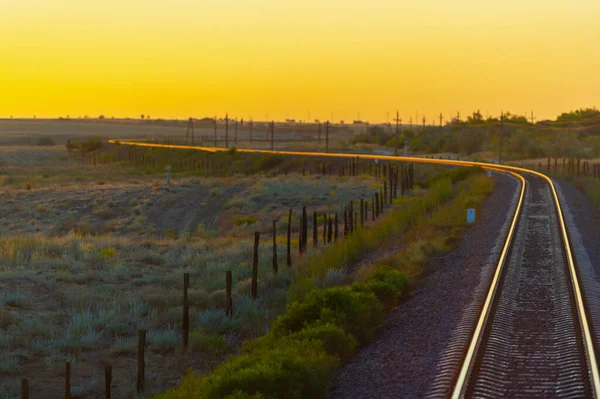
{"points": [[532, 337]]}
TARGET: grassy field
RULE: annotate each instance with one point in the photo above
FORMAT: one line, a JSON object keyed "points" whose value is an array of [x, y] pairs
{"points": [[90, 254], [324, 324]]}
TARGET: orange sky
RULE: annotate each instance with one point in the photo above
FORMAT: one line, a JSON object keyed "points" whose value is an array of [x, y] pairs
{"points": [[182, 58]]}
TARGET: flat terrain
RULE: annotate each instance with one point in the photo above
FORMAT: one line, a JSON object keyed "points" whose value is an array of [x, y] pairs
{"points": [[90, 254]]}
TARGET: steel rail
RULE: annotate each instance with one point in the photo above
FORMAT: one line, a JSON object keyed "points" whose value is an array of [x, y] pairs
{"points": [[514, 170], [487, 305]]}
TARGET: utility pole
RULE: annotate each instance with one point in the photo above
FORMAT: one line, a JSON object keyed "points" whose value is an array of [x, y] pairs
{"points": [[501, 136], [319, 132], [423, 123], [251, 126], [532, 121], [235, 132], [327, 136], [226, 130], [458, 117], [411, 123], [190, 129], [215, 130], [272, 135], [398, 120], [441, 119]]}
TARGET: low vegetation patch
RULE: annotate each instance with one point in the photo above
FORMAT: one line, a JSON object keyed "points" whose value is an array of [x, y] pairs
{"points": [[320, 328]]}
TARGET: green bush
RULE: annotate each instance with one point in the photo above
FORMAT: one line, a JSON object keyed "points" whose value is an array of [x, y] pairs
{"points": [[358, 313], [335, 341], [388, 285], [171, 234], [394, 277], [290, 369], [199, 341], [244, 220]]}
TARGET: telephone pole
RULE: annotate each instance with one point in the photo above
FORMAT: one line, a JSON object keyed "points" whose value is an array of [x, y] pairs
{"points": [[251, 129], [190, 129], [327, 136], [532, 121], [501, 136], [423, 123], [441, 118], [226, 130], [398, 120], [215, 130], [235, 132], [272, 135]]}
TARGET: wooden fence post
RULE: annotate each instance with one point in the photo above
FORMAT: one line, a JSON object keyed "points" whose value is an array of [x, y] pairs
{"points": [[228, 300], [315, 230], [362, 212], [289, 239], [345, 221], [330, 230], [141, 376], [255, 266], [24, 389], [68, 380], [350, 218], [304, 229], [335, 234], [385, 190], [325, 231], [107, 380], [274, 246], [186, 311]]}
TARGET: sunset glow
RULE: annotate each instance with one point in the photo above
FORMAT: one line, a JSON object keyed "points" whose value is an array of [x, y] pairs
{"points": [[286, 59]]}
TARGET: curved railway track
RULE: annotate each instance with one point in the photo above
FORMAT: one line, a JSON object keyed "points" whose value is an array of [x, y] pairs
{"points": [[532, 337]]}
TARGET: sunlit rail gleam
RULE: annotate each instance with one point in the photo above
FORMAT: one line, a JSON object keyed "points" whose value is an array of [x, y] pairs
{"points": [[513, 170]]}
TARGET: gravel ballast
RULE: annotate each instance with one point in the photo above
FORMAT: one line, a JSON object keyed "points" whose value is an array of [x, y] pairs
{"points": [[581, 218], [422, 334]]}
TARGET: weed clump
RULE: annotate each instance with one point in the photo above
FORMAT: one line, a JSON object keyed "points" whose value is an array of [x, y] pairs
{"points": [[355, 312]]}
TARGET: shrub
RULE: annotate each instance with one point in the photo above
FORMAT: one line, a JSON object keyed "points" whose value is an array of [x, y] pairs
{"points": [[245, 220], [9, 365], [385, 292], [171, 234], [216, 321], [335, 341], [108, 253], [355, 312], [160, 340], [124, 345], [199, 341], [290, 369], [215, 192], [394, 277], [203, 232]]}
